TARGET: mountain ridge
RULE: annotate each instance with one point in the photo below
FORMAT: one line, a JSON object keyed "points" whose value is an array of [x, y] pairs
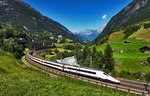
{"points": [[125, 14], [134, 13], [19, 13], [90, 34]]}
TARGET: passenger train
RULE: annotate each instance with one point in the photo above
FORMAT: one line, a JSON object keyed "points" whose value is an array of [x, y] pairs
{"points": [[90, 72]]}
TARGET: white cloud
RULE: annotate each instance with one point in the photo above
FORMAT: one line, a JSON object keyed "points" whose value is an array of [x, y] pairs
{"points": [[85, 32], [104, 16], [100, 29], [90, 31], [76, 32]]}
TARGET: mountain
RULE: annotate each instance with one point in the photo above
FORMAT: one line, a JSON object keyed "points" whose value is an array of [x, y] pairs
{"points": [[16, 12], [90, 34], [80, 38], [136, 12]]}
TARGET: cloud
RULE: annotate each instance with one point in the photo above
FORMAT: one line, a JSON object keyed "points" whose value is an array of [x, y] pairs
{"points": [[85, 32], [104, 17], [76, 32], [90, 31], [100, 29]]}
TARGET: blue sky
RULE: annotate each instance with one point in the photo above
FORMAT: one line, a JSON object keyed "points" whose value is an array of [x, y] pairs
{"points": [[79, 14]]}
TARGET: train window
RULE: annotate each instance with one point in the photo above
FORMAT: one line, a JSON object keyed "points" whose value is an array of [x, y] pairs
{"points": [[87, 71], [105, 74]]}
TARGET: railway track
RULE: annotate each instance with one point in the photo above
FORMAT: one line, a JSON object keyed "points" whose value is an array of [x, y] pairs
{"points": [[125, 85]]}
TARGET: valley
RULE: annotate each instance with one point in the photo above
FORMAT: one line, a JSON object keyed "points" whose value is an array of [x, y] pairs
{"points": [[120, 48]]}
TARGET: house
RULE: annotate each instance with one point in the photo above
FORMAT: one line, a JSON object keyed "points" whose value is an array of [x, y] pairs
{"points": [[60, 37], [47, 43], [51, 38], [6, 39], [126, 42], [18, 40], [145, 49]]}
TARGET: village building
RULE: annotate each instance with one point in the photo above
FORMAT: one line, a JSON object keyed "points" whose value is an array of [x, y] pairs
{"points": [[145, 49], [60, 37], [126, 42], [51, 38]]}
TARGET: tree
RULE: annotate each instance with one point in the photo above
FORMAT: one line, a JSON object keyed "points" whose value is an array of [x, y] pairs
{"points": [[85, 53], [94, 51], [48, 51], [147, 76], [43, 55], [1, 42], [147, 25], [17, 55], [100, 60], [56, 51], [108, 59]]}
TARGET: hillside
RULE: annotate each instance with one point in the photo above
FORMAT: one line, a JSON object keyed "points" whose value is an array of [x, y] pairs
{"points": [[16, 12], [135, 13], [19, 80]]}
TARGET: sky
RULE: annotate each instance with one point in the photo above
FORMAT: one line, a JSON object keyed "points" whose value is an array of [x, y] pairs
{"points": [[79, 14]]}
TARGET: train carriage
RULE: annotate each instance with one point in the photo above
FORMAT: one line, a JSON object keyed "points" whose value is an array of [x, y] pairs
{"points": [[91, 72]]}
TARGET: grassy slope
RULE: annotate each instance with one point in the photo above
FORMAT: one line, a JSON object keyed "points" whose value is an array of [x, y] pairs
{"points": [[142, 34], [117, 35], [18, 80], [131, 56]]}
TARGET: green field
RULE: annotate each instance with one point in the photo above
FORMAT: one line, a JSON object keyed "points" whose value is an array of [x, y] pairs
{"points": [[131, 57], [16, 79]]}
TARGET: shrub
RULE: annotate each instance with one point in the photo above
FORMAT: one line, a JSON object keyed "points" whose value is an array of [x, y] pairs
{"points": [[69, 47], [130, 30], [17, 55], [147, 25], [148, 60], [48, 51], [56, 51], [142, 50], [147, 76], [43, 55]]}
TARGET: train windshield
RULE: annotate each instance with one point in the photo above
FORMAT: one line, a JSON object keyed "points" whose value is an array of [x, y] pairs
{"points": [[106, 72]]}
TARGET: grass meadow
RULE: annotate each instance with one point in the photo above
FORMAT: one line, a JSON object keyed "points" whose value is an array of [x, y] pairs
{"points": [[131, 58]]}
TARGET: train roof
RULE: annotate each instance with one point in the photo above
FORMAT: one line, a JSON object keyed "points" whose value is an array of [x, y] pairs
{"points": [[88, 68], [81, 67]]}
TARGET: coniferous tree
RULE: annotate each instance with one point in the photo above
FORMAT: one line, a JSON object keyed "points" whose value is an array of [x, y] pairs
{"points": [[100, 60], [108, 59], [96, 60], [84, 56], [94, 51]]}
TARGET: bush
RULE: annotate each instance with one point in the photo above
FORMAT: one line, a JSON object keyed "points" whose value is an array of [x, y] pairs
{"points": [[142, 50], [17, 55], [48, 51], [147, 25], [69, 47], [147, 76], [56, 51], [126, 74], [43, 55], [148, 60], [130, 30]]}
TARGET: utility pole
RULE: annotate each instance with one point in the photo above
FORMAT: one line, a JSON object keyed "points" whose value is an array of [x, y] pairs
{"points": [[61, 57], [91, 61]]}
